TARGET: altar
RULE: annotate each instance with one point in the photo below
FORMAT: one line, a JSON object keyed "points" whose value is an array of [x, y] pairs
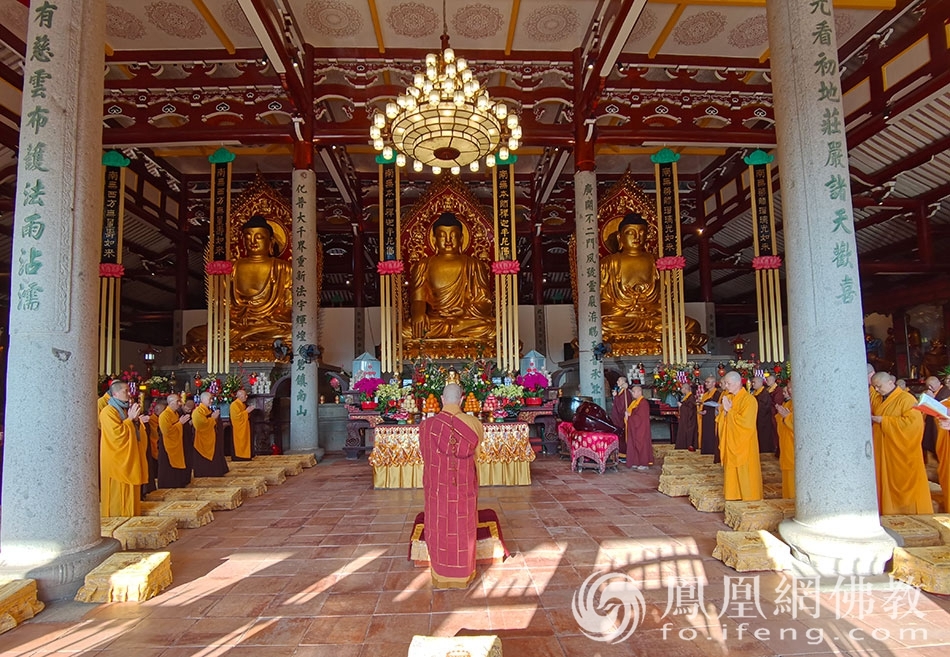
{"points": [[504, 459]]}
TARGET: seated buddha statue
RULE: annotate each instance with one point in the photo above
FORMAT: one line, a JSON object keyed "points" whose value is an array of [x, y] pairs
{"points": [[262, 296], [630, 294], [261, 299], [450, 291]]}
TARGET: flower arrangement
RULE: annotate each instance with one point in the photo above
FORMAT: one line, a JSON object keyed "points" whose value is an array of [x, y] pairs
{"points": [[130, 375], [476, 378], [508, 392], [390, 396], [367, 387], [158, 385], [427, 378], [746, 369], [533, 382], [668, 377], [221, 391]]}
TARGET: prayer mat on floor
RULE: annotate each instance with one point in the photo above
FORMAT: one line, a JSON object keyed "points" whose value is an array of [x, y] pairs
{"points": [[489, 543]]}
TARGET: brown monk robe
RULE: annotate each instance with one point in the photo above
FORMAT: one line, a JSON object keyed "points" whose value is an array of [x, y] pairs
{"points": [[708, 436], [687, 433], [622, 399], [764, 420], [778, 398]]}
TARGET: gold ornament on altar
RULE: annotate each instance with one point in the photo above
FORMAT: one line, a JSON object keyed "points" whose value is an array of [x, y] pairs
{"points": [[631, 308], [445, 120]]}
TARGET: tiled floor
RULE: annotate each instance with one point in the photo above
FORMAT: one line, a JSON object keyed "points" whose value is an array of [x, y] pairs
{"points": [[317, 567]]}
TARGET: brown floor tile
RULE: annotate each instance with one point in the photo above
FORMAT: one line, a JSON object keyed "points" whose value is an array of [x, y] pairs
{"points": [[246, 606], [337, 650], [342, 604], [340, 629], [214, 631], [388, 628], [276, 632]]}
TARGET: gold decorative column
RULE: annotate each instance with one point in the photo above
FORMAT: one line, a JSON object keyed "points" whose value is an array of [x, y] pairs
{"points": [[110, 261], [768, 291], [219, 267], [390, 268], [671, 262], [505, 266]]}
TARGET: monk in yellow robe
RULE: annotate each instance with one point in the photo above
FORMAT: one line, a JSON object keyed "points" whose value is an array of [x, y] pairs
{"points": [[121, 455], [902, 487], [101, 404], [241, 427], [738, 443], [786, 443], [943, 457], [172, 470], [209, 445]]}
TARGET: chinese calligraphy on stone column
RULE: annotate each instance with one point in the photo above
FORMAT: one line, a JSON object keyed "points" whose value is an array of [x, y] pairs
{"points": [[588, 303], [831, 126], [33, 176], [301, 249]]}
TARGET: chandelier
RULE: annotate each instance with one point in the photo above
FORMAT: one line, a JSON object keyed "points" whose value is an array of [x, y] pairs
{"points": [[445, 120]]}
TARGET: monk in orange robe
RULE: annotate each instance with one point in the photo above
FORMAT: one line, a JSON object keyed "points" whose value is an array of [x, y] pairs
{"points": [[786, 443], [449, 444], [902, 487], [943, 457], [738, 443], [101, 404], [172, 469], [636, 426], [209, 444], [121, 455], [241, 427]]}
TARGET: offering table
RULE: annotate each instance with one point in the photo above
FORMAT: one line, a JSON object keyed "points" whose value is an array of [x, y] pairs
{"points": [[504, 457]]}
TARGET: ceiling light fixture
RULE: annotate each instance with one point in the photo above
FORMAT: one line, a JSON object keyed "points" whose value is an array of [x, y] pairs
{"points": [[445, 120]]}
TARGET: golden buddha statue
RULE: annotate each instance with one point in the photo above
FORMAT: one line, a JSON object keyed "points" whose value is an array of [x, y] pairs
{"points": [[261, 299], [450, 291], [261, 291], [630, 295]]}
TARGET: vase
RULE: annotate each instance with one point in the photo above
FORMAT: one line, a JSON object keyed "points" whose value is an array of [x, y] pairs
{"points": [[368, 405], [532, 401], [225, 408]]}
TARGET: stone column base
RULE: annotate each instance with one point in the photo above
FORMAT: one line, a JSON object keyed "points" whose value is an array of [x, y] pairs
{"points": [[60, 578], [845, 553]]}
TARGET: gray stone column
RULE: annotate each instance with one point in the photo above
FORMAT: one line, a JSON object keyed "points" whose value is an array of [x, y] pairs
{"points": [[589, 329], [305, 396], [836, 526], [50, 523]]}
